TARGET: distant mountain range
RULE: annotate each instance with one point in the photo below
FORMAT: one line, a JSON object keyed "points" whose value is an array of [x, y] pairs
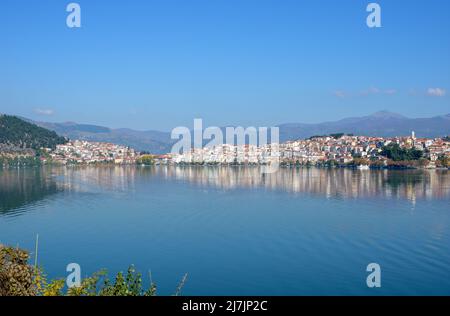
{"points": [[382, 123], [152, 141]]}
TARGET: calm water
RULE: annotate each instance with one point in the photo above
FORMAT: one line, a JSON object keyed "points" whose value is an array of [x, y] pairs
{"points": [[236, 231]]}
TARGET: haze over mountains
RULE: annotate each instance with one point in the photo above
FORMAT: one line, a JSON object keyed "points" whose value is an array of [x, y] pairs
{"points": [[384, 123]]}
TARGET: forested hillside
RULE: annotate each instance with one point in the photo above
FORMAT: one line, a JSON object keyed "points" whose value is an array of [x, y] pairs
{"points": [[16, 132]]}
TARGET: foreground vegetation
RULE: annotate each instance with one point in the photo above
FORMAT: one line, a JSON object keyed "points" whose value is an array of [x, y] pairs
{"points": [[19, 278]]}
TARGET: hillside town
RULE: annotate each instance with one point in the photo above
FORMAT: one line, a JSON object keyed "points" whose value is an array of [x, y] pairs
{"points": [[25, 144], [336, 149], [84, 152]]}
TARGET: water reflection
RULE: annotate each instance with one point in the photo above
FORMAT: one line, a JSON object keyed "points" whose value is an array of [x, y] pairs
{"points": [[22, 187], [347, 183], [18, 188], [409, 184], [93, 179]]}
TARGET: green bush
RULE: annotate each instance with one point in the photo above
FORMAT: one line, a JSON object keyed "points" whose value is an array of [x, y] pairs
{"points": [[18, 278]]}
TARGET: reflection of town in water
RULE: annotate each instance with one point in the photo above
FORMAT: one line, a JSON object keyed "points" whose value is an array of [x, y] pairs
{"points": [[21, 187], [409, 184]]}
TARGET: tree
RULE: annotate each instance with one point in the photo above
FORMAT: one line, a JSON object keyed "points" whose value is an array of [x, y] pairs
{"points": [[396, 153], [337, 135], [146, 160], [443, 162]]}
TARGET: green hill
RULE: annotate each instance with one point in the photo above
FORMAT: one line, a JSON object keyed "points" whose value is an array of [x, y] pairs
{"points": [[18, 133]]}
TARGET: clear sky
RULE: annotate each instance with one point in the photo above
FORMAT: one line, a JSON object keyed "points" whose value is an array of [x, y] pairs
{"points": [[157, 64]]}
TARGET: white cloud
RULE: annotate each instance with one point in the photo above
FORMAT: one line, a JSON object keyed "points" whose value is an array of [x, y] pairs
{"points": [[364, 93], [390, 91], [46, 112], [339, 94], [436, 92], [371, 90]]}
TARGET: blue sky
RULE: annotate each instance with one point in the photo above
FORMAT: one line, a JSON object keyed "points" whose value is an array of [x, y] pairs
{"points": [[157, 64]]}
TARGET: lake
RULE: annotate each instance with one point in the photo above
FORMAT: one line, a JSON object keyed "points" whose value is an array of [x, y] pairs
{"points": [[236, 231]]}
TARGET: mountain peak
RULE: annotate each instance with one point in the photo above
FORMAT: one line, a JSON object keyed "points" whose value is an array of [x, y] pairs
{"points": [[387, 115]]}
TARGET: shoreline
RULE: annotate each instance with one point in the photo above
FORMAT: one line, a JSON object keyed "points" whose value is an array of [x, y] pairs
{"points": [[198, 165]]}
